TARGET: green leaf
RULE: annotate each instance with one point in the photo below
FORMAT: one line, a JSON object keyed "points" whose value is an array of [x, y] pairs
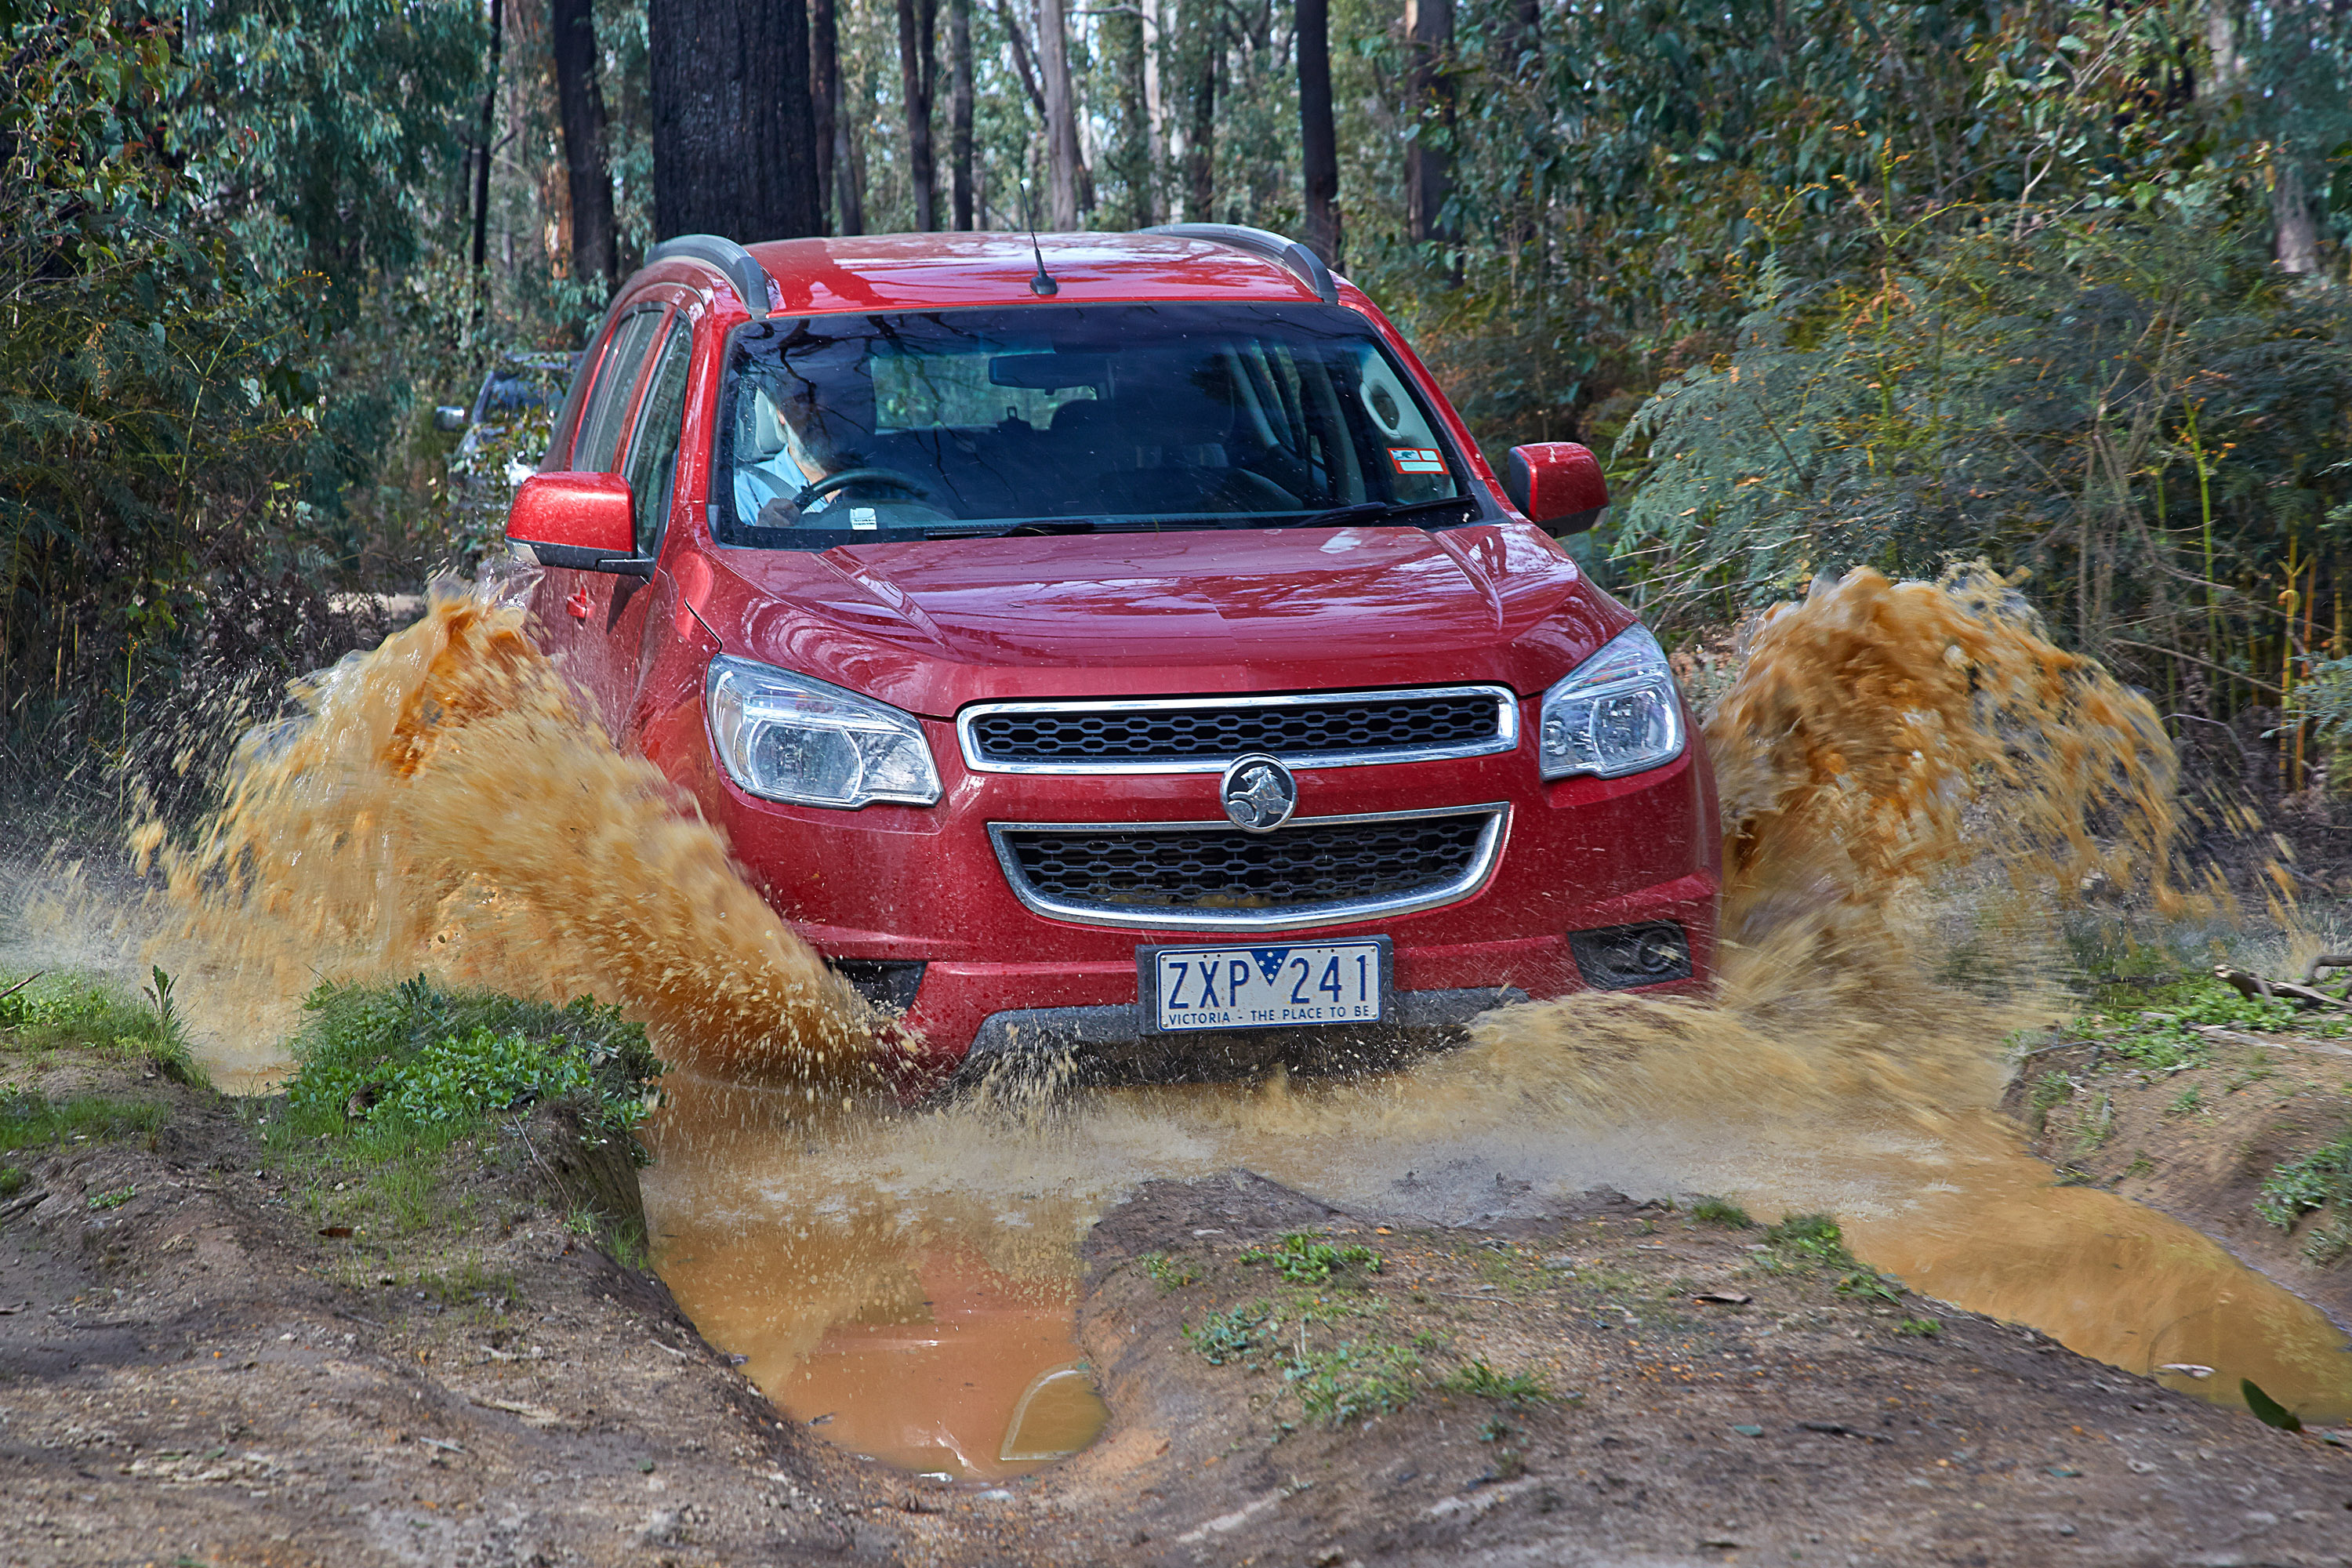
{"points": [[2267, 1411]]}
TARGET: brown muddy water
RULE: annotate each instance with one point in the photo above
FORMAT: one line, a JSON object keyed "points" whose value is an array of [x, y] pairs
{"points": [[1906, 768]]}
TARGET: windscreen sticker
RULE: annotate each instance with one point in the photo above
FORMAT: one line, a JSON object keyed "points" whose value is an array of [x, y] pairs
{"points": [[1416, 459]]}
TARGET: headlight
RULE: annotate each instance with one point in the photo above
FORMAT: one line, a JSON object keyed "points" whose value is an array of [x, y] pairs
{"points": [[785, 736], [1616, 713]]}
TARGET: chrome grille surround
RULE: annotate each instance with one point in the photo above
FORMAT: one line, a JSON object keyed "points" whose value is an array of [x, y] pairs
{"points": [[1461, 849], [1202, 734]]}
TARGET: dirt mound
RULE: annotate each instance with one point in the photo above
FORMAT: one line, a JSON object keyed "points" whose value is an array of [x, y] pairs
{"points": [[1622, 1383]]}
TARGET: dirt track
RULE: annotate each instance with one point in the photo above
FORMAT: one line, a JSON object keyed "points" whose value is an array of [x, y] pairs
{"points": [[192, 1374]]}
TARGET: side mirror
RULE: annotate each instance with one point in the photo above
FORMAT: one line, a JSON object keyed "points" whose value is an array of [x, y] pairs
{"points": [[449, 419], [1557, 485], [585, 521]]}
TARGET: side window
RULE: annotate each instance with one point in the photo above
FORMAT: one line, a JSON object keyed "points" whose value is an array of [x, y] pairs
{"points": [[653, 451], [609, 402]]}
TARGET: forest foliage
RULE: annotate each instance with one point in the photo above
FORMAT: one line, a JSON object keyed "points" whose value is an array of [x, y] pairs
{"points": [[1827, 282]]}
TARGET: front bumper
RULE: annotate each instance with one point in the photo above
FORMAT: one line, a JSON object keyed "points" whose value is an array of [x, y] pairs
{"points": [[924, 885]]}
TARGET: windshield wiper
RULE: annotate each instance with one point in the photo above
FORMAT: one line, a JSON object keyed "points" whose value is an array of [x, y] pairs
{"points": [[1384, 512], [1032, 526]]}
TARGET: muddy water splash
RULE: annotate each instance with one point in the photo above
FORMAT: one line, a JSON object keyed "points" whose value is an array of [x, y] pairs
{"points": [[442, 804], [1906, 769]]}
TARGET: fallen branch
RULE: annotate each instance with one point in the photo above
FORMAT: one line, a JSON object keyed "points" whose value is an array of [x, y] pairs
{"points": [[2249, 983]]}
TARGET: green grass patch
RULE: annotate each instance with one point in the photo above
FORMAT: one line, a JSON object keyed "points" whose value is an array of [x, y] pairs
{"points": [[2156, 1029], [415, 1054], [1722, 1212], [2188, 1102], [388, 1080], [2051, 1091], [2296, 1187], [1303, 1259], [13, 1179], [1809, 1238], [1353, 1382], [1475, 1378], [1919, 1328], [1234, 1334], [1165, 1271], [469, 1284], [30, 1120], [44, 1012]]}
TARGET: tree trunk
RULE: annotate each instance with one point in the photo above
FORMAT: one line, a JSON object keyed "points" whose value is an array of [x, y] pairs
{"points": [[919, 74], [1021, 66], [825, 105], [1061, 116], [1131, 161], [853, 174], [482, 166], [1206, 41], [734, 140], [1429, 103], [959, 108], [2225, 68], [1318, 145], [588, 174], [2297, 235]]}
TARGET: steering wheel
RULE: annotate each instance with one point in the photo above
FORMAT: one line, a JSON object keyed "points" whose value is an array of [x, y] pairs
{"points": [[832, 483]]}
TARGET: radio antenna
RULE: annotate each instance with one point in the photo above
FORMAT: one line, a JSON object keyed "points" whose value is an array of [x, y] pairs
{"points": [[1043, 285]]}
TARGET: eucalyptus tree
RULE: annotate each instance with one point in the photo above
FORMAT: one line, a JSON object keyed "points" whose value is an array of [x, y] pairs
{"points": [[734, 137]]}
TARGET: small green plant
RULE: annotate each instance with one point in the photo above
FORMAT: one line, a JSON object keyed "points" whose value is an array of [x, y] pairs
{"points": [[1869, 1286], [92, 1016], [2296, 1187], [1166, 1272], [2141, 1165], [2051, 1091], [470, 1284], [1722, 1212], [1353, 1383], [1809, 1238], [2258, 1068], [114, 1199], [2099, 1126], [2186, 1103], [1475, 1377], [1302, 1258], [429, 1059], [1230, 1335], [1919, 1328], [29, 1120], [13, 1179]]}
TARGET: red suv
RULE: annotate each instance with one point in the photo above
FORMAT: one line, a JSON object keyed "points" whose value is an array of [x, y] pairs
{"points": [[1116, 642]]}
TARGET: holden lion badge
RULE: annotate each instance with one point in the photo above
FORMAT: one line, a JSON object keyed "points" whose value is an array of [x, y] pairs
{"points": [[1259, 793]]}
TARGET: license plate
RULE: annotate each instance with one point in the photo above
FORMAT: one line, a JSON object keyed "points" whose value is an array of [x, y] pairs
{"points": [[1264, 987]]}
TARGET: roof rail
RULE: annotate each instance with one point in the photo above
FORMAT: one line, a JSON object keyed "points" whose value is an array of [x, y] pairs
{"points": [[1288, 254], [739, 267]]}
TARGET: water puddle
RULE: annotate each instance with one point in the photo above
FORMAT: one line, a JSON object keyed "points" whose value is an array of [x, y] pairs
{"points": [[2117, 1282], [931, 1329], [1906, 769]]}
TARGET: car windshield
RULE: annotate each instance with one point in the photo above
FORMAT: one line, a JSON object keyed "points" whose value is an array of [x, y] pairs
{"points": [[1053, 417]]}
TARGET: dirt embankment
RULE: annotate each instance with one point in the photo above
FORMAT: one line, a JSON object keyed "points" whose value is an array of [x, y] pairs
{"points": [[190, 1372], [2199, 1142]]}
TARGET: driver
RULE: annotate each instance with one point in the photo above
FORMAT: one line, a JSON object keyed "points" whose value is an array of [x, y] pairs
{"points": [[773, 465]]}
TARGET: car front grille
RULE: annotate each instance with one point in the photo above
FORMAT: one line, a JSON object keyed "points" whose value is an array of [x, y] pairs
{"points": [[1204, 733], [1210, 876]]}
